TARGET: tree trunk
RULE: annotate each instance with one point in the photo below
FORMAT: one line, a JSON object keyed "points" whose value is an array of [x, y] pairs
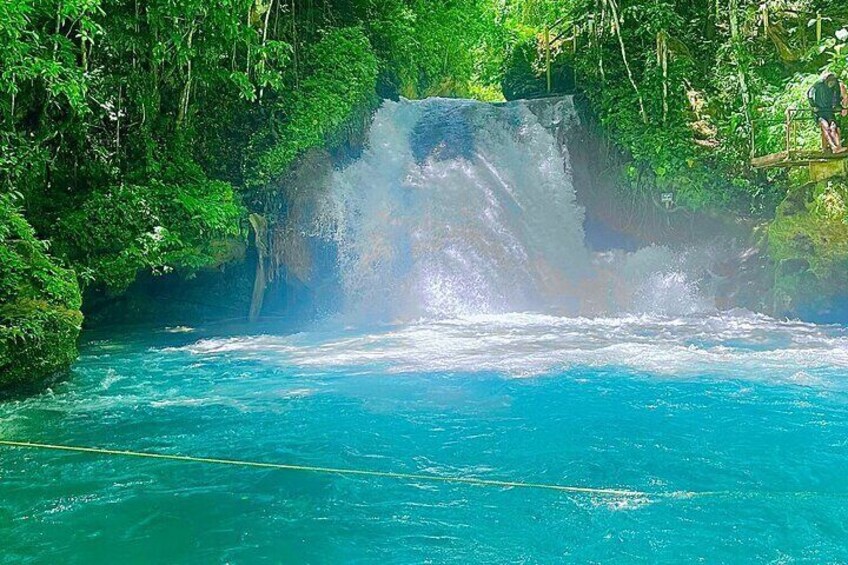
{"points": [[662, 60], [186, 95], [617, 29], [264, 42], [736, 52]]}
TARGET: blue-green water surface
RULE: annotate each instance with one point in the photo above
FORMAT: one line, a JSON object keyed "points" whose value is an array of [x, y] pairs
{"points": [[749, 428]]}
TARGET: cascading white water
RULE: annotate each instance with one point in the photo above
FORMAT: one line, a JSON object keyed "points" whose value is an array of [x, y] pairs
{"points": [[459, 208]]}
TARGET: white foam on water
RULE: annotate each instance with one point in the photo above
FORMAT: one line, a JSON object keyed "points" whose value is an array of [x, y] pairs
{"points": [[733, 345]]}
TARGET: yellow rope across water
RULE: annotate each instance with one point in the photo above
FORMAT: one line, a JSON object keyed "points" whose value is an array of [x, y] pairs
{"points": [[611, 492], [351, 472]]}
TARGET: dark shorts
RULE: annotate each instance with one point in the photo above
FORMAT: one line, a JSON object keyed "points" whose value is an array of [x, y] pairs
{"points": [[827, 115]]}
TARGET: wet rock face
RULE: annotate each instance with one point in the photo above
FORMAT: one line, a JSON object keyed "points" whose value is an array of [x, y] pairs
{"points": [[443, 133], [735, 267], [793, 267], [808, 250], [796, 266], [743, 279]]}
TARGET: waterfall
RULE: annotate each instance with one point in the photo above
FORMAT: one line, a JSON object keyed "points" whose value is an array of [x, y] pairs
{"points": [[461, 208]]}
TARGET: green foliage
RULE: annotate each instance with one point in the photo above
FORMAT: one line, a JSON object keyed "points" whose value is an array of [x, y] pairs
{"points": [[522, 78], [39, 80], [390, 26], [689, 90], [159, 226], [37, 340], [447, 35], [342, 75], [39, 305]]}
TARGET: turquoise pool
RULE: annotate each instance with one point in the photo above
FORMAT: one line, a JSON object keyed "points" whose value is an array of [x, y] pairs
{"points": [[734, 426]]}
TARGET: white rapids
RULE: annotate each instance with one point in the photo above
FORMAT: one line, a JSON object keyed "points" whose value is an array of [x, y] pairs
{"points": [[735, 344]]}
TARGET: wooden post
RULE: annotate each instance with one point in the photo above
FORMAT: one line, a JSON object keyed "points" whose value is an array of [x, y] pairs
{"points": [[794, 133], [548, 57], [818, 27], [788, 132]]}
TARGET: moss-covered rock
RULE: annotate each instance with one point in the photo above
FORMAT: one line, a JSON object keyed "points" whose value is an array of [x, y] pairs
{"points": [[808, 246], [40, 316]]}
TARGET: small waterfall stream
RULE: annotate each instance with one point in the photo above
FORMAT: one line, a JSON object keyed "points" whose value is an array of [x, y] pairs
{"points": [[459, 208]]}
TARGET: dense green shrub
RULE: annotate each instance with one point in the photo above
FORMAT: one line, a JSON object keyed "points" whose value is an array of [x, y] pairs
{"points": [[342, 76], [522, 78], [158, 226], [40, 303]]}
